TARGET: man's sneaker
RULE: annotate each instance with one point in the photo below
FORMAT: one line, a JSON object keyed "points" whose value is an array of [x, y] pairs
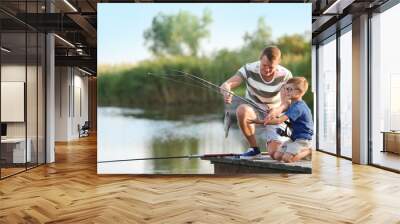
{"points": [[251, 153]]}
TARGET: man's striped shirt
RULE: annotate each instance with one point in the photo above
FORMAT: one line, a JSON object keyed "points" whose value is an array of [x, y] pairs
{"points": [[260, 91]]}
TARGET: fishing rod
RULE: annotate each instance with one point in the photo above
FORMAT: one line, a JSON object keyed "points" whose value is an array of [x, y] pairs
{"points": [[227, 91], [285, 132], [174, 157], [210, 85]]}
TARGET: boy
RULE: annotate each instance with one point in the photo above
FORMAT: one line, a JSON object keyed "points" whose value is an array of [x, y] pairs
{"points": [[299, 115]]}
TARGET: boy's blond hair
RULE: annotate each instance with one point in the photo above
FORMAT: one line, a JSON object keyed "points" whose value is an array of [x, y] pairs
{"points": [[300, 83]]}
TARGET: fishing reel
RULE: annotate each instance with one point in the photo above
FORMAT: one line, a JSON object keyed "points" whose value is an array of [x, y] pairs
{"points": [[285, 130]]}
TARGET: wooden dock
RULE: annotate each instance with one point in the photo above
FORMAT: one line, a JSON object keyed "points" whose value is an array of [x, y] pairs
{"points": [[263, 164]]}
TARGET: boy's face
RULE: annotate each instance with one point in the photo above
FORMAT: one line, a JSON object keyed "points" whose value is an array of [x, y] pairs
{"points": [[293, 92]]}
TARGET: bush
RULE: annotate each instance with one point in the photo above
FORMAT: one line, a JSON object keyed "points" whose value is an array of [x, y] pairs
{"points": [[133, 86]]}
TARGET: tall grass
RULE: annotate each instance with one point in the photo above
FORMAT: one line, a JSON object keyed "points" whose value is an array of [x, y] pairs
{"points": [[131, 85]]}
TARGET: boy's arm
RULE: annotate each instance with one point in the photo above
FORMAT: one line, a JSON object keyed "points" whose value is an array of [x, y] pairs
{"points": [[278, 120], [285, 102]]}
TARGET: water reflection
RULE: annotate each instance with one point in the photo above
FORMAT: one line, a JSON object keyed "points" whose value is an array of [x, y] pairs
{"points": [[164, 147], [126, 133]]}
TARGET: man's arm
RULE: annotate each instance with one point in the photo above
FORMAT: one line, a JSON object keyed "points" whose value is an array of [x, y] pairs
{"points": [[230, 84]]}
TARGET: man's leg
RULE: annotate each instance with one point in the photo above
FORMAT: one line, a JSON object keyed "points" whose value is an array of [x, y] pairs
{"points": [[243, 113]]}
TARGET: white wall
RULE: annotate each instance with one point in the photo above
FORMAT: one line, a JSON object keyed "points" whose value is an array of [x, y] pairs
{"points": [[71, 93], [33, 126], [12, 73], [62, 81]]}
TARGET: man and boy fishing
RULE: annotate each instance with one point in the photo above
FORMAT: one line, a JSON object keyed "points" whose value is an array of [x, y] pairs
{"points": [[273, 97], [272, 88]]}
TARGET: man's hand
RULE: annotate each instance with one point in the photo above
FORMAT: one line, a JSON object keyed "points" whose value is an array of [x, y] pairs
{"points": [[230, 84], [225, 91]]}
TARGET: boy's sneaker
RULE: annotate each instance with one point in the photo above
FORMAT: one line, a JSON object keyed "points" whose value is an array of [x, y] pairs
{"points": [[251, 153]]}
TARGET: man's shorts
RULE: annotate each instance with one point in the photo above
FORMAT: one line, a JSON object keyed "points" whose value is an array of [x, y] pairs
{"points": [[270, 131], [294, 147]]}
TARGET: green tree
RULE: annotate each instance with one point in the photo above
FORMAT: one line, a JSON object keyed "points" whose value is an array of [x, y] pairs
{"points": [[296, 56], [178, 34], [293, 44], [130, 86], [255, 41], [259, 38]]}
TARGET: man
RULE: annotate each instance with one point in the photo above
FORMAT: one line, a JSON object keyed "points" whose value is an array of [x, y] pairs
{"points": [[264, 81]]}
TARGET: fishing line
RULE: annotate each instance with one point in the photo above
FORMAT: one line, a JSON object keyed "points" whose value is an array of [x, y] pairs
{"points": [[178, 81], [166, 76], [207, 84]]}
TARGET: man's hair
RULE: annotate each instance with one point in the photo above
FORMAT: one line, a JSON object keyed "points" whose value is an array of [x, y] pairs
{"points": [[300, 83], [273, 53]]}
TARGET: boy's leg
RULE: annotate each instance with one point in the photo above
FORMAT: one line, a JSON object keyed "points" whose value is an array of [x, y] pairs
{"points": [[287, 157], [273, 146], [277, 155], [281, 149], [298, 150], [274, 140], [303, 153]]}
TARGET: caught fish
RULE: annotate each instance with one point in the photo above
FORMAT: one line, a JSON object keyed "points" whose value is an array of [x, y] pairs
{"points": [[227, 123]]}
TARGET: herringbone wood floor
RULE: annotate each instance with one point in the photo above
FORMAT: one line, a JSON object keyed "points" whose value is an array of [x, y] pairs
{"points": [[70, 191]]}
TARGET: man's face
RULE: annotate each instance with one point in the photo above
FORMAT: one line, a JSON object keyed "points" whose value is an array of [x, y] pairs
{"points": [[267, 67]]}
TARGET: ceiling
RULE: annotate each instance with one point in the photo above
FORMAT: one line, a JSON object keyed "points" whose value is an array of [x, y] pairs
{"points": [[75, 22], [328, 16]]}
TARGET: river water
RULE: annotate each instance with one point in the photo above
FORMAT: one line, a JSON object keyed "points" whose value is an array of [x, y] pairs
{"points": [[131, 133]]}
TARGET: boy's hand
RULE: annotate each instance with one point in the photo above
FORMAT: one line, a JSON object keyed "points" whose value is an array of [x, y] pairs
{"points": [[273, 113]]}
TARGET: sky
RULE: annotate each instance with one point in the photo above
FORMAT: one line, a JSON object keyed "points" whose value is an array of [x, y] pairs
{"points": [[120, 26]]}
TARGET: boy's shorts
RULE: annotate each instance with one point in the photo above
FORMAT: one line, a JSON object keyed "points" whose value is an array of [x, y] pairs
{"points": [[272, 133], [294, 147], [270, 130]]}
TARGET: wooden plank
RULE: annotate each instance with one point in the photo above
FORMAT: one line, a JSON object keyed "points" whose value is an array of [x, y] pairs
{"points": [[263, 164]]}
